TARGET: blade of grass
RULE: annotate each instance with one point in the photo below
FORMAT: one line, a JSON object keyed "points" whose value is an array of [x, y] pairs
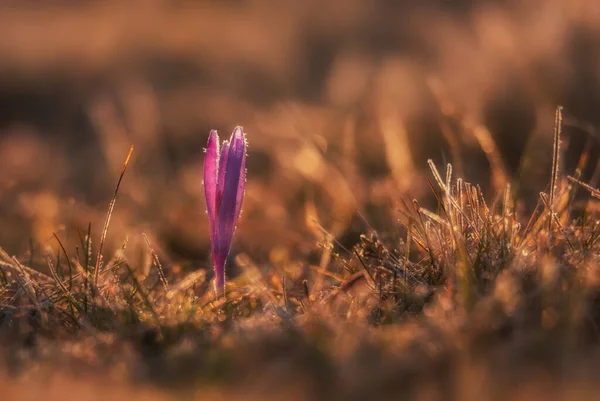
{"points": [[157, 264], [72, 301], [107, 221], [555, 162]]}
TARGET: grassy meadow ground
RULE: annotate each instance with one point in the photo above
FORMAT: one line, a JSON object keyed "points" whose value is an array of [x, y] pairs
{"points": [[420, 221]]}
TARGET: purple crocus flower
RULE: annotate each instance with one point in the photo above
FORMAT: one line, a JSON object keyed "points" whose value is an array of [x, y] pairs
{"points": [[224, 183]]}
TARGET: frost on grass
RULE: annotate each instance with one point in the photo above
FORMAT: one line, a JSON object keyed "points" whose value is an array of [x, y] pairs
{"points": [[472, 300]]}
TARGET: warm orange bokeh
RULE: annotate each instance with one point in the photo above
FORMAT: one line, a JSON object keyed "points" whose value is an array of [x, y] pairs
{"points": [[343, 104]]}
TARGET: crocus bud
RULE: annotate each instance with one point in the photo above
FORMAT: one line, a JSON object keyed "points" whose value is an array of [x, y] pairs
{"points": [[224, 184]]}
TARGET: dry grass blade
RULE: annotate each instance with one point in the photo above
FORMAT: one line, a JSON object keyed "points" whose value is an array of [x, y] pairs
{"points": [[194, 278], [284, 292], [554, 217], [27, 284], [68, 261], [9, 262], [4, 256], [593, 191], [555, 160], [423, 228], [3, 274], [143, 293], [436, 175], [65, 290], [434, 217], [449, 176], [556, 153], [157, 264], [451, 201], [107, 221], [525, 235]]}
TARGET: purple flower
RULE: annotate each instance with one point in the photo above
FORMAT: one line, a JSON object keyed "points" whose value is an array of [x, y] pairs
{"points": [[224, 183]]}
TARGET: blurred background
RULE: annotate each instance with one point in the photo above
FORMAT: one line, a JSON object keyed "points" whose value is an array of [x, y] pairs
{"points": [[343, 102]]}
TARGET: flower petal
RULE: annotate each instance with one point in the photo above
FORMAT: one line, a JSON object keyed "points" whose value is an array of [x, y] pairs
{"points": [[241, 185], [233, 191], [211, 166], [222, 169]]}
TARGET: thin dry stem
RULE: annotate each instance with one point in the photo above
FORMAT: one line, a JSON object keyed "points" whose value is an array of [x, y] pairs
{"points": [[107, 221]]}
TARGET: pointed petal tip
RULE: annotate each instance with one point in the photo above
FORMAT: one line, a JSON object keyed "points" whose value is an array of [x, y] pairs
{"points": [[238, 134], [213, 140]]}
